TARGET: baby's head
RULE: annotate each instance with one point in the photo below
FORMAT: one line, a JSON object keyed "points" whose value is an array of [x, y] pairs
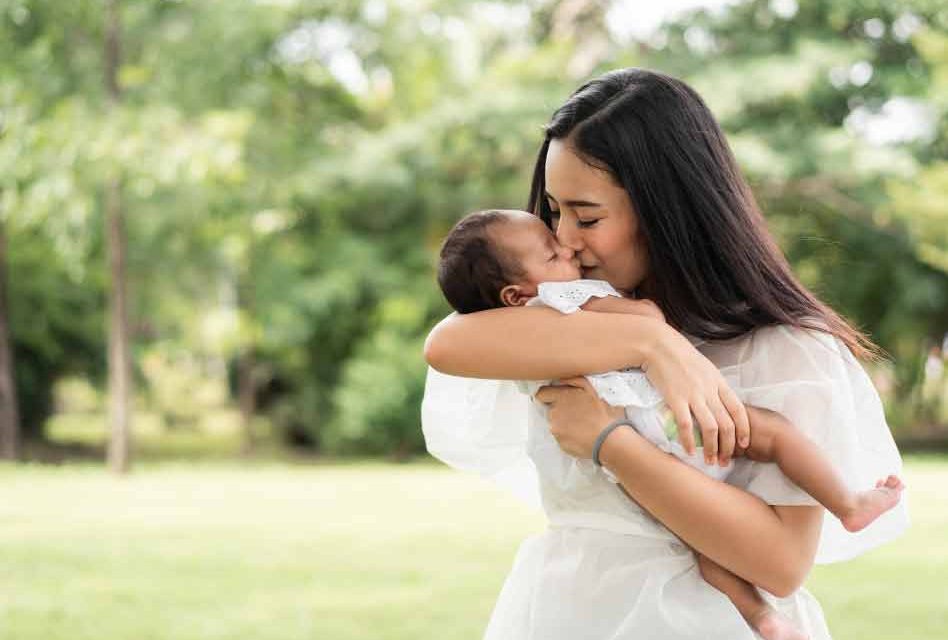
{"points": [[496, 258]]}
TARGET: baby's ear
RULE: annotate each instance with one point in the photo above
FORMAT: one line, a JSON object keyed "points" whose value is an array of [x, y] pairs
{"points": [[513, 296]]}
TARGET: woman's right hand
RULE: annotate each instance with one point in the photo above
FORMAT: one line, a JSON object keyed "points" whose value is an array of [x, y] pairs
{"points": [[694, 389]]}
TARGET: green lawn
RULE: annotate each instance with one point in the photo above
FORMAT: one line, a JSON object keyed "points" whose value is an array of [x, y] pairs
{"points": [[339, 552]]}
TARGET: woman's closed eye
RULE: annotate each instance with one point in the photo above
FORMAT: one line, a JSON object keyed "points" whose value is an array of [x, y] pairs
{"points": [[582, 224]]}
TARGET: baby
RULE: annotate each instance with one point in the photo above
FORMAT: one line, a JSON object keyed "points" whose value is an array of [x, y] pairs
{"points": [[498, 258]]}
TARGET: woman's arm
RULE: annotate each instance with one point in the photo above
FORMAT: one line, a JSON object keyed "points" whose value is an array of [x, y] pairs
{"points": [[538, 343], [772, 547]]}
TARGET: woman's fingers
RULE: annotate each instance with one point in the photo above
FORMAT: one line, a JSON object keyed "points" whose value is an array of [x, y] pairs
{"points": [[738, 413], [548, 394], [578, 381], [726, 437], [709, 432], [692, 384], [553, 392], [686, 434]]}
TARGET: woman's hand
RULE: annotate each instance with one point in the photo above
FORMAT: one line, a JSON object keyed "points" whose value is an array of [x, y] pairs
{"points": [[694, 389], [577, 415], [612, 304]]}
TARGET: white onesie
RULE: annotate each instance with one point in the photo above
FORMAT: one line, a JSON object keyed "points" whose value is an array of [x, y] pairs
{"points": [[628, 388]]}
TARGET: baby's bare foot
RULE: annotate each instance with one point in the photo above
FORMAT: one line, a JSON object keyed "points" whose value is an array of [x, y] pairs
{"points": [[873, 503], [773, 626]]}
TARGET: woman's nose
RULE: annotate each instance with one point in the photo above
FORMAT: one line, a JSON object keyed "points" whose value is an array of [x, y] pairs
{"points": [[568, 237]]}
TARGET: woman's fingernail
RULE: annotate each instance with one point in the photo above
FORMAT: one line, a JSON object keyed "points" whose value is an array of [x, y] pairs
{"points": [[745, 442]]}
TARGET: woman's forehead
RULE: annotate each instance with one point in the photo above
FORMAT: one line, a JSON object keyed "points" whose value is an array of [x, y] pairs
{"points": [[569, 177]]}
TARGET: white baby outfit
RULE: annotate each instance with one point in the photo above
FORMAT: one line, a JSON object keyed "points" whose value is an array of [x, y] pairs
{"points": [[629, 388], [604, 569]]}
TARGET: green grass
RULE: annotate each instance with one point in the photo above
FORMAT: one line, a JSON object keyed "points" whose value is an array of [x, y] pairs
{"points": [[338, 552]]}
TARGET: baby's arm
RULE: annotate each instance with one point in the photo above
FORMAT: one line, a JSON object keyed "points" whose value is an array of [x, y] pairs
{"points": [[775, 439], [612, 304]]}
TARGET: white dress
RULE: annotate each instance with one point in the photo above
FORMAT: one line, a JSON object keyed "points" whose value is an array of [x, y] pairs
{"points": [[604, 569]]}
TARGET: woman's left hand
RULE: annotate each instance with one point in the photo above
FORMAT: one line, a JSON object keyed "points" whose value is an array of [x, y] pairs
{"points": [[577, 415]]}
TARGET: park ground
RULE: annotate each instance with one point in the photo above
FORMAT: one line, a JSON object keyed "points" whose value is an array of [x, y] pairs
{"points": [[281, 550]]}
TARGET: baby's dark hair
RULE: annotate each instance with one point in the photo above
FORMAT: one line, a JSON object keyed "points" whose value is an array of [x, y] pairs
{"points": [[473, 268]]}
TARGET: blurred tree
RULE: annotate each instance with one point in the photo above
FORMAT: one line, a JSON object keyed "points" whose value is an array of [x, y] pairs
{"points": [[50, 296], [9, 406], [67, 143], [120, 362], [289, 170]]}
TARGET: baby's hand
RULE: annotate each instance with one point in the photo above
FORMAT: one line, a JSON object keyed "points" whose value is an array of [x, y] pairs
{"points": [[612, 304]]}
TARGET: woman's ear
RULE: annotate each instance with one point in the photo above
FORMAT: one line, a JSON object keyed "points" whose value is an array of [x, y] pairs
{"points": [[513, 295]]}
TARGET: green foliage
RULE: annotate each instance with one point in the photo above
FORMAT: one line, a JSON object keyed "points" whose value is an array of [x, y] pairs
{"points": [[378, 400], [55, 323], [280, 208]]}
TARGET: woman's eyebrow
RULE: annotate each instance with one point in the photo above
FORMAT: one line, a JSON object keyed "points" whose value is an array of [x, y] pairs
{"points": [[574, 203]]}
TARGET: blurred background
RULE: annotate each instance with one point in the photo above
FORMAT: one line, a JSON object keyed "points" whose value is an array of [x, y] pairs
{"points": [[218, 227]]}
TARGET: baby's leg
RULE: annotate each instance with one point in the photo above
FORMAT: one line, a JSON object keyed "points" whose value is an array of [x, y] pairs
{"points": [[774, 439], [766, 620]]}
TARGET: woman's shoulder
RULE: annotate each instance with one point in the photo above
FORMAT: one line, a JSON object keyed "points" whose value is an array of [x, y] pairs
{"points": [[783, 352], [793, 339]]}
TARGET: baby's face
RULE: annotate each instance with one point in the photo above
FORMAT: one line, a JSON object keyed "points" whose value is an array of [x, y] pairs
{"points": [[528, 241]]}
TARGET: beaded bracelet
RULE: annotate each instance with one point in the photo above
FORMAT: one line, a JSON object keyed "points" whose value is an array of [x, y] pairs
{"points": [[605, 434]]}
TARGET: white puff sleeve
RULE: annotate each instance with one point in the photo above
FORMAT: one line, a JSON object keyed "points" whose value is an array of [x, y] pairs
{"points": [[480, 425], [813, 380]]}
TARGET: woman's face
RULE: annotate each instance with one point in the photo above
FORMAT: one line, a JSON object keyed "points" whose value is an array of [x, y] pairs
{"points": [[593, 216]]}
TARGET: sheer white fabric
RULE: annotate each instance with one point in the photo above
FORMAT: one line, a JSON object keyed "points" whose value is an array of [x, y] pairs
{"points": [[604, 568], [814, 381]]}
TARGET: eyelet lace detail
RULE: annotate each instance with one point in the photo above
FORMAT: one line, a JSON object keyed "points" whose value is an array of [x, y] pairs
{"points": [[568, 297]]}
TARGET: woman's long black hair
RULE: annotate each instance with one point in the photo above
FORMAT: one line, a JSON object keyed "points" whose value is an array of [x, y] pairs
{"points": [[715, 270]]}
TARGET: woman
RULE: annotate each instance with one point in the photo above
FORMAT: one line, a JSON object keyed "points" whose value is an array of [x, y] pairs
{"points": [[635, 176]]}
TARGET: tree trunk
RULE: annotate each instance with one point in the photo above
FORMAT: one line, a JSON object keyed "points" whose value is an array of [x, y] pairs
{"points": [[120, 369], [9, 412], [246, 361], [247, 397]]}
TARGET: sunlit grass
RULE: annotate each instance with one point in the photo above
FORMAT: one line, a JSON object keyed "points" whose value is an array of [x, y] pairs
{"points": [[271, 550], [217, 435]]}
